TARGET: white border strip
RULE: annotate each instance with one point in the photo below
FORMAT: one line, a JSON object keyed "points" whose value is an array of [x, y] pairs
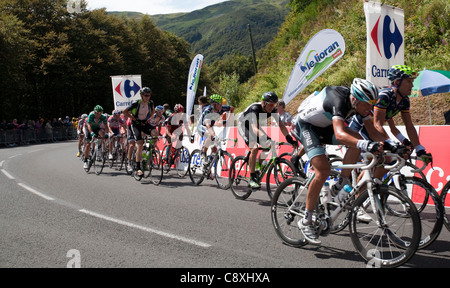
{"points": [[7, 174], [146, 229]]}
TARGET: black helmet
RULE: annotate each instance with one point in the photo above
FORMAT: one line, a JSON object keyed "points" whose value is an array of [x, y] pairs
{"points": [[270, 97], [146, 90]]}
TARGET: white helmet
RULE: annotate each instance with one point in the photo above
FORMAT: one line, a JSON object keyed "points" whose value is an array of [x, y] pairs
{"points": [[364, 90]]}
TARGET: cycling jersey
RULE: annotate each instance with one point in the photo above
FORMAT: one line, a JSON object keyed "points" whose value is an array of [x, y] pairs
{"points": [[387, 101], [332, 102], [96, 123], [254, 114], [141, 115], [154, 122], [209, 114], [174, 122], [314, 125], [115, 123]]}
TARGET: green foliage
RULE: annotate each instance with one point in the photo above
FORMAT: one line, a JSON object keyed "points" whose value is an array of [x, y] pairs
{"points": [[426, 37], [55, 63]]}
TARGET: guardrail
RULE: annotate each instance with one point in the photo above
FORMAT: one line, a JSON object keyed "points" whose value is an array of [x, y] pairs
{"points": [[10, 138]]}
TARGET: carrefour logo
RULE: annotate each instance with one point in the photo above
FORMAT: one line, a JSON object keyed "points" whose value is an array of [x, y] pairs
{"points": [[127, 88], [383, 38]]}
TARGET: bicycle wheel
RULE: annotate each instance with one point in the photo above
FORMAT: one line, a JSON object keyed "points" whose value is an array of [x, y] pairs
{"points": [[287, 209], [166, 158], [222, 169], [279, 170], [99, 163], [195, 167], [388, 240], [446, 205], [239, 178], [431, 211], [181, 162], [155, 168]]}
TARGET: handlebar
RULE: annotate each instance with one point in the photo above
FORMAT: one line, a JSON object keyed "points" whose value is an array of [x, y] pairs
{"points": [[424, 165]]}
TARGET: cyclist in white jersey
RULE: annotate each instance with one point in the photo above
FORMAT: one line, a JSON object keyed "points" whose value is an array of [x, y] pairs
{"points": [[322, 120], [115, 122]]}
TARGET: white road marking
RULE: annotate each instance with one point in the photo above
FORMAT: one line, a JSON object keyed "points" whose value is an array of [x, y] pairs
{"points": [[35, 192], [7, 174], [147, 229]]}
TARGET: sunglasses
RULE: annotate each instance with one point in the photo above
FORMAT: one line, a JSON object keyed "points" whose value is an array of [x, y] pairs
{"points": [[146, 95]]}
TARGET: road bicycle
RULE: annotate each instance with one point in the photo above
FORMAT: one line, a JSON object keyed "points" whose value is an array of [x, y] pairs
{"points": [[151, 164], [386, 240], [276, 170], [430, 210], [118, 153], [215, 166], [446, 207], [175, 159], [98, 155]]}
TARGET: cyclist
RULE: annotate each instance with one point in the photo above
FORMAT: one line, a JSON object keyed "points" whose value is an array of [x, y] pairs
{"points": [[391, 101], [322, 120], [115, 123], [250, 128], [139, 112], [156, 121], [173, 126], [95, 125], [210, 115], [80, 132]]}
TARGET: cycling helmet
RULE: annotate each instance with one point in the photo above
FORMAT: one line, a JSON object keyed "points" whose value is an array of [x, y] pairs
{"points": [[115, 112], [159, 108], [178, 108], [216, 98], [84, 116], [98, 108], [270, 97], [399, 72], [146, 90], [364, 90]]}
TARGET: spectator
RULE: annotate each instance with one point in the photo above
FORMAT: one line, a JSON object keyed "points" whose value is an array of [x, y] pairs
{"points": [[285, 116]]}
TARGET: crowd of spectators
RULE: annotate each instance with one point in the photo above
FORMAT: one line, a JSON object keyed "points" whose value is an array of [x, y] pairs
{"points": [[14, 132]]}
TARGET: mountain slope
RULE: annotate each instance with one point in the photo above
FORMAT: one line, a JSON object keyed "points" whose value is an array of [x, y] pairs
{"points": [[221, 29]]}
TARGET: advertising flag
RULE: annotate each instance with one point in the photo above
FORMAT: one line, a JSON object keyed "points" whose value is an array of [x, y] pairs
{"points": [[125, 90], [194, 76], [323, 50], [385, 41]]}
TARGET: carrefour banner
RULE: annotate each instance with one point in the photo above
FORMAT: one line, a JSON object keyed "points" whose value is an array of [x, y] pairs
{"points": [[323, 50], [125, 90], [194, 76], [385, 41]]}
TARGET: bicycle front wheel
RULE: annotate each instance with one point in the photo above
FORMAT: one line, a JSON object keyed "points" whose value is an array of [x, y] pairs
{"points": [[239, 178], [222, 169], [287, 209], [196, 167], [387, 240], [99, 163], [279, 170], [155, 168], [181, 162], [446, 207]]}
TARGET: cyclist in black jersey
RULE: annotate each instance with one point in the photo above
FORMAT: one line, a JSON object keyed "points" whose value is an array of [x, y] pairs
{"points": [[322, 120], [140, 112], [249, 127]]}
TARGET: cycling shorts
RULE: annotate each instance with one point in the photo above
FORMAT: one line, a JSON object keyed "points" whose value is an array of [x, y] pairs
{"points": [[138, 129], [250, 138], [313, 138], [88, 134]]}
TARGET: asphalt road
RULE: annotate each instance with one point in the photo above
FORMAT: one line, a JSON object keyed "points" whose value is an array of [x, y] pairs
{"points": [[55, 215]]}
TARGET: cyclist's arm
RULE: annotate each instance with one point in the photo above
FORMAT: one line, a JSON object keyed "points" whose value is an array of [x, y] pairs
{"points": [[128, 114], [379, 116], [373, 133], [410, 129], [342, 134]]}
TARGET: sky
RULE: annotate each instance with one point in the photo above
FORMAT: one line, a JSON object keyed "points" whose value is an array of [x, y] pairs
{"points": [[151, 7]]}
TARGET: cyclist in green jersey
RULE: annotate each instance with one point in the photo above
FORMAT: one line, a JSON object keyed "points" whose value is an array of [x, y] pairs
{"points": [[95, 124]]}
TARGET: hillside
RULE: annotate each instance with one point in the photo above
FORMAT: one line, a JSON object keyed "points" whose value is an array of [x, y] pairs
{"points": [[427, 30], [221, 29]]}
